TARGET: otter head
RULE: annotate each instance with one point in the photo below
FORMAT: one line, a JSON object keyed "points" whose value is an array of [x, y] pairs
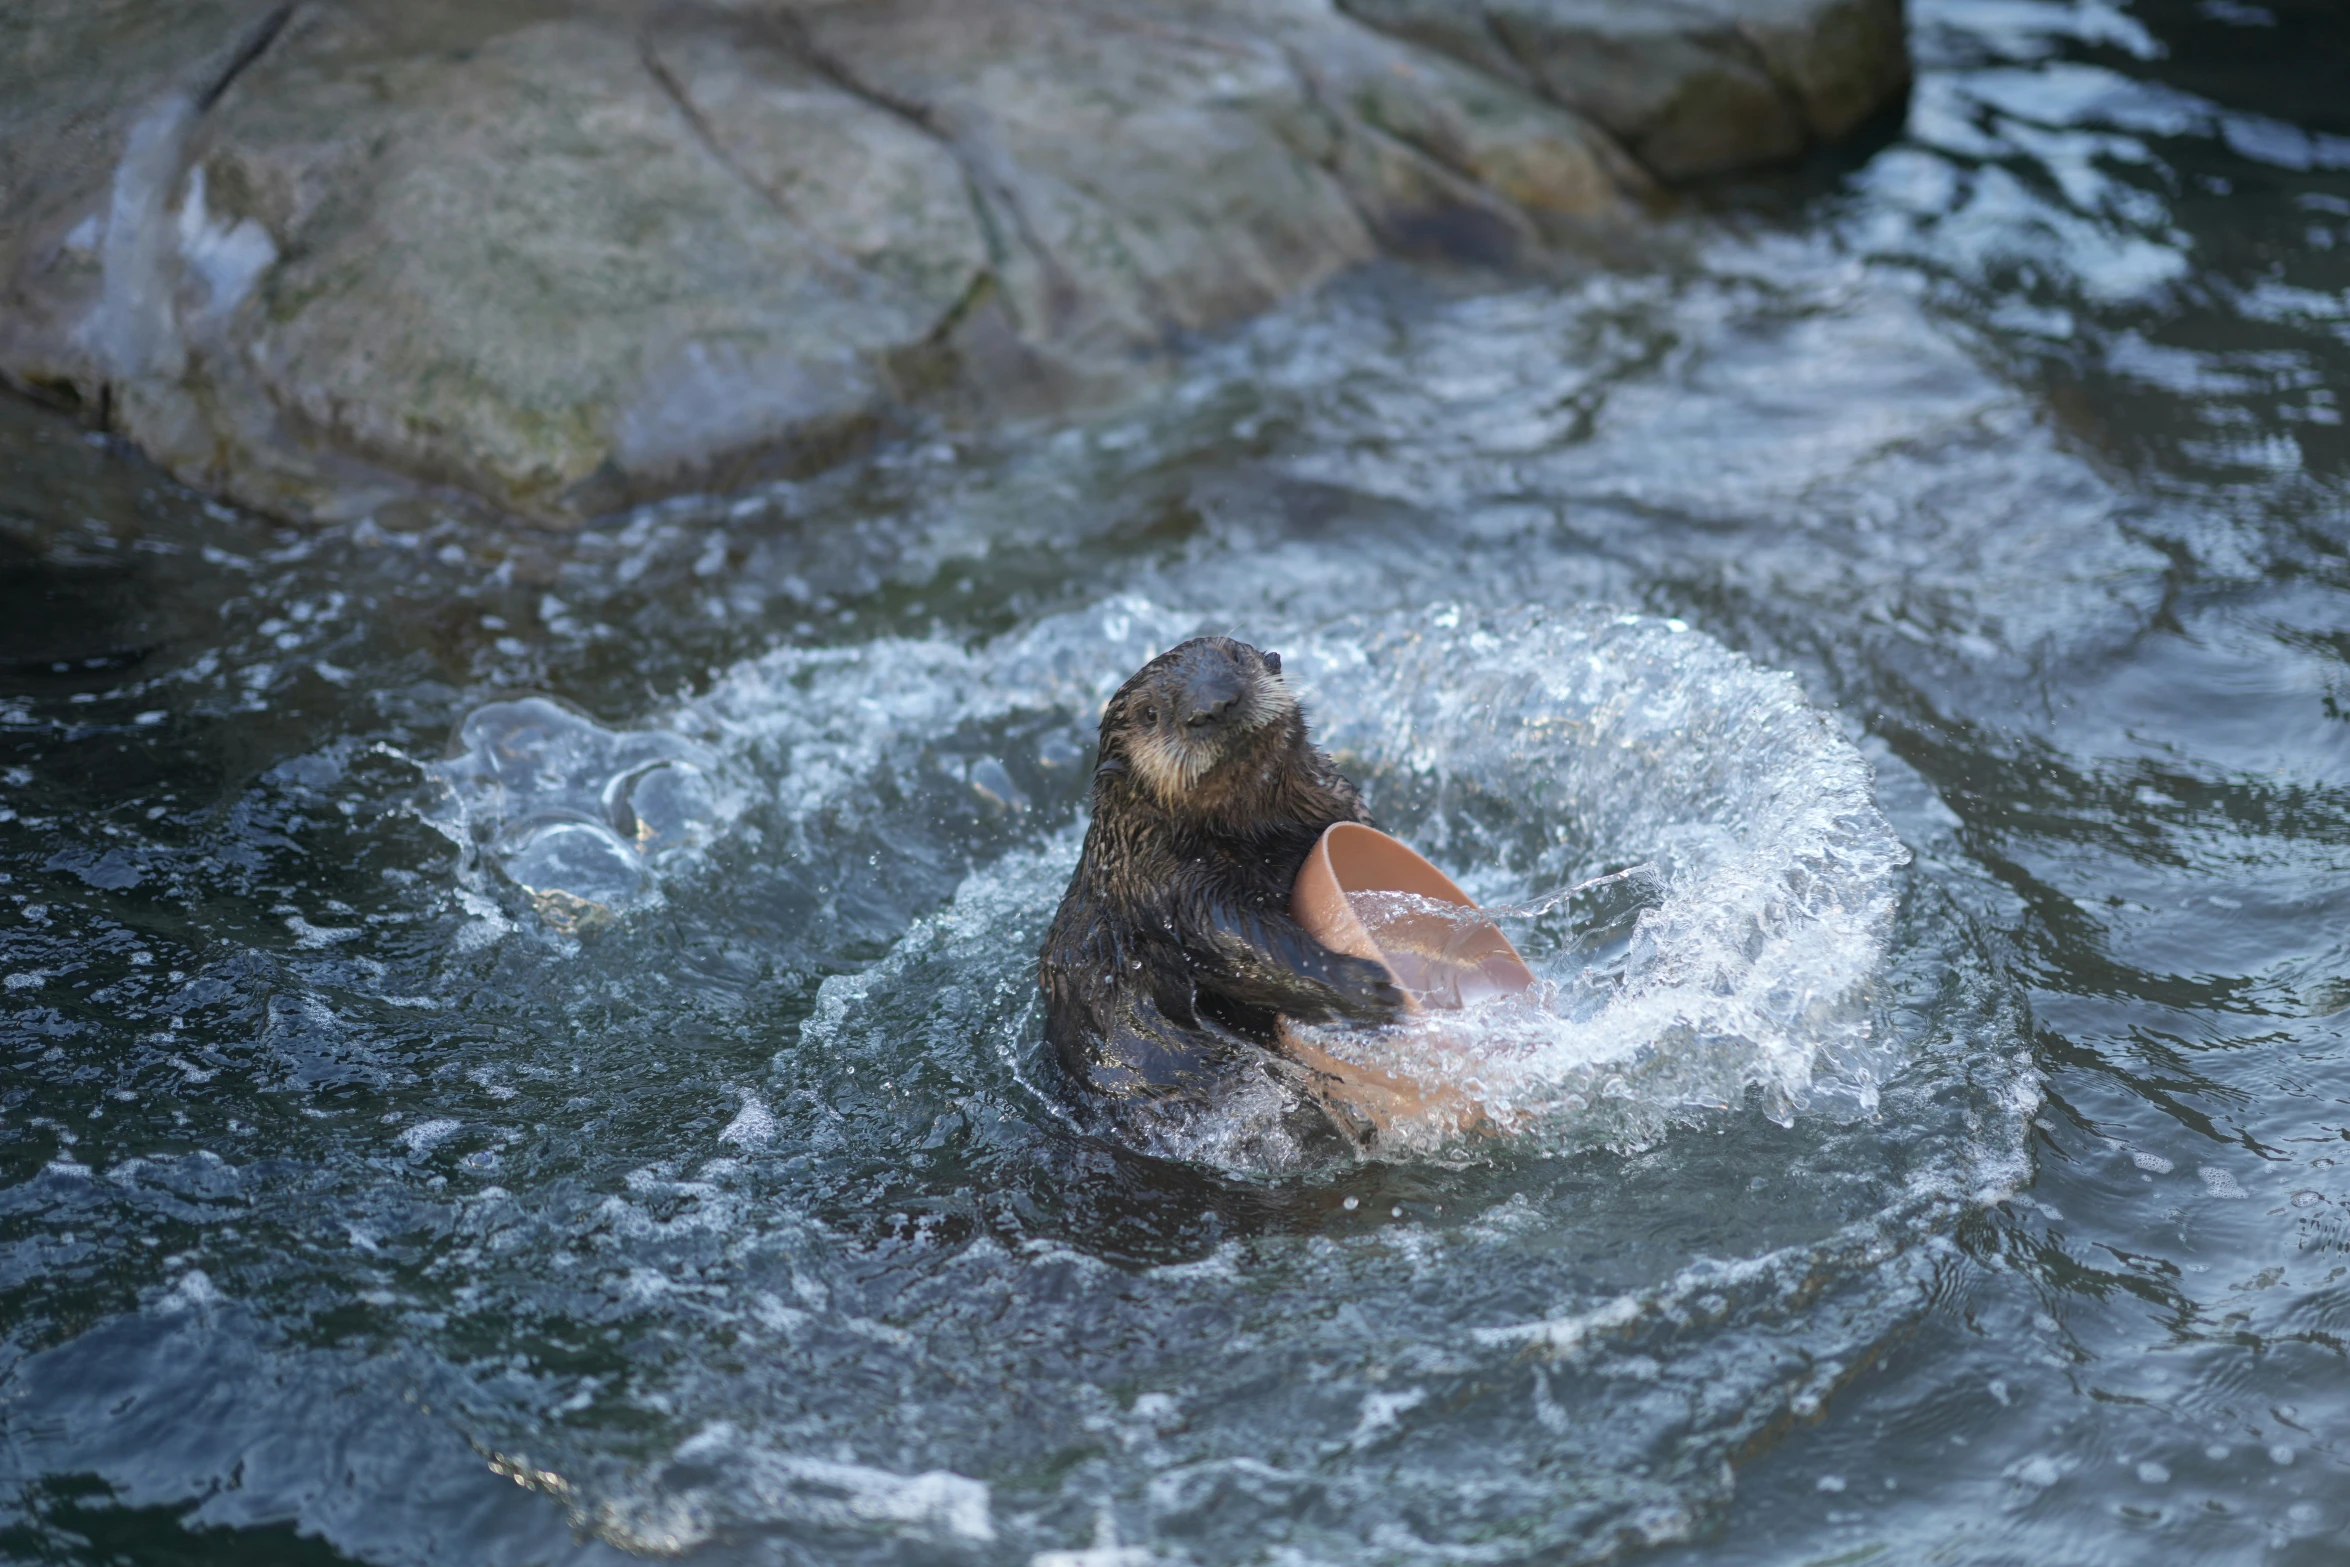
{"points": [[1204, 728]]}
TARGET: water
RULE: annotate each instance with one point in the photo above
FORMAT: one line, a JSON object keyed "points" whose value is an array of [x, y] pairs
{"points": [[522, 1047]]}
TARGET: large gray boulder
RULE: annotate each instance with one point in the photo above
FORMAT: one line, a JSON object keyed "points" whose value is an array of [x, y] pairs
{"points": [[556, 257]]}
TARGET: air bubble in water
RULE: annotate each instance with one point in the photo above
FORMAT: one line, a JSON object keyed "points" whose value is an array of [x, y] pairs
{"points": [[577, 815]]}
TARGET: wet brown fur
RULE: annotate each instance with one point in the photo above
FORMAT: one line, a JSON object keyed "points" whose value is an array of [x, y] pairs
{"points": [[1173, 953]]}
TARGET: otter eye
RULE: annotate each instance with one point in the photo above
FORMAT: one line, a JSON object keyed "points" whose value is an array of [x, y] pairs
{"points": [[1273, 662], [1150, 715]]}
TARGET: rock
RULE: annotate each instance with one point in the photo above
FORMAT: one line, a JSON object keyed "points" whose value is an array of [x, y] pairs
{"points": [[1690, 87], [1451, 162], [80, 147], [558, 257], [1842, 61], [527, 273], [1144, 174]]}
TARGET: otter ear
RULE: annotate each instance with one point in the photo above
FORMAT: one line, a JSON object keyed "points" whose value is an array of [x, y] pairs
{"points": [[1111, 767], [1273, 662]]}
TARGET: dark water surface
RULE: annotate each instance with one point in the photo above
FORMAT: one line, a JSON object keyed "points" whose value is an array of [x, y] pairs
{"points": [[438, 1125]]}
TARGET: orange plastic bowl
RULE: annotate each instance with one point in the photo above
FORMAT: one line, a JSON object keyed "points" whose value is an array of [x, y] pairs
{"points": [[1439, 960]]}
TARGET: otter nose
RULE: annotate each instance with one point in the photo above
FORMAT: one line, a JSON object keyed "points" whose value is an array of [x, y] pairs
{"points": [[1211, 699]]}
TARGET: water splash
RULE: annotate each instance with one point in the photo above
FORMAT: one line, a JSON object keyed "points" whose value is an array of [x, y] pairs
{"points": [[581, 818], [1527, 745], [1524, 749]]}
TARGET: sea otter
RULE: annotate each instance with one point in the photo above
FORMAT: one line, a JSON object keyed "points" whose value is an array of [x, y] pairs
{"points": [[1173, 956]]}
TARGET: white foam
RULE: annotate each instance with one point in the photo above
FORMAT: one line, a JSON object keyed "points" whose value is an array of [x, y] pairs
{"points": [[753, 1484], [425, 1136], [753, 1125], [192, 1291]]}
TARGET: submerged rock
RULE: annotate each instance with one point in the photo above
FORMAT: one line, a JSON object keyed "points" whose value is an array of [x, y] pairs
{"points": [[558, 257]]}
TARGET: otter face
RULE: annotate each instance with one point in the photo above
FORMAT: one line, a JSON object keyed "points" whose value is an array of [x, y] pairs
{"points": [[1191, 710]]}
